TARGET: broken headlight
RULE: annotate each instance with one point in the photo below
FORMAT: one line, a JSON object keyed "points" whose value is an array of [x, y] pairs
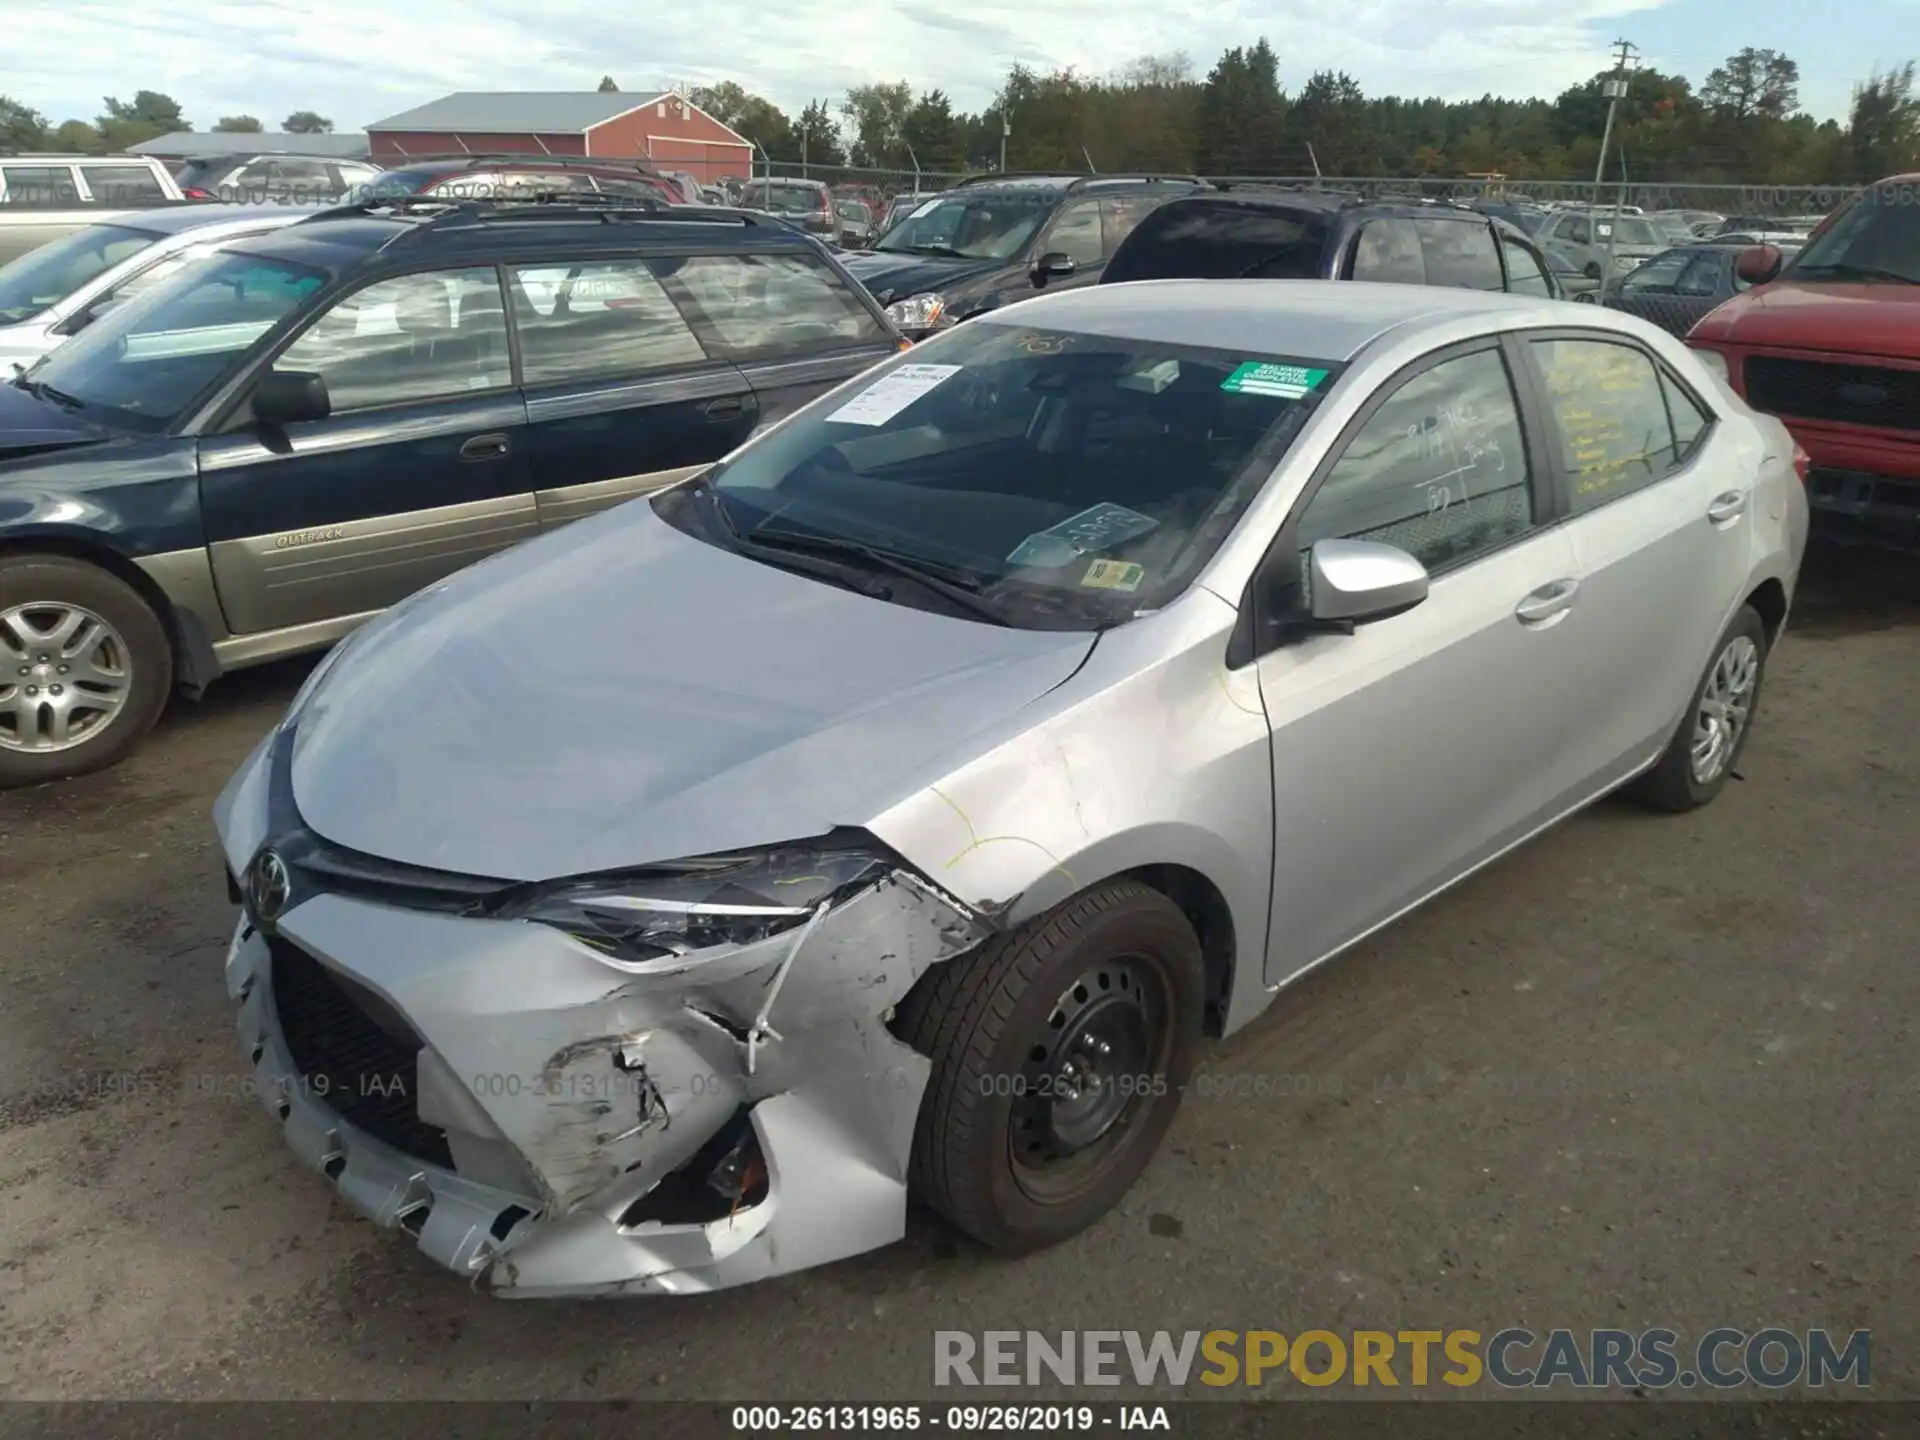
{"points": [[665, 911]]}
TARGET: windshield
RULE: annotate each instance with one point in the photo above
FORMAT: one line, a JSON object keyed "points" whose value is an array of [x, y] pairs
{"points": [[784, 199], [144, 362], [988, 225], [46, 276], [1064, 480], [1873, 239], [1627, 230]]}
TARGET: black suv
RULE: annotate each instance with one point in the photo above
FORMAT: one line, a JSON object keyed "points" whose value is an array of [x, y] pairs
{"points": [[252, 457], [995, 239], [1271, 234]]}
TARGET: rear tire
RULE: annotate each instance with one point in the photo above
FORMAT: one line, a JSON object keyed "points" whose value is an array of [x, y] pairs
{"points": [[1713, 733], [85, 668], [1060, 1051]]}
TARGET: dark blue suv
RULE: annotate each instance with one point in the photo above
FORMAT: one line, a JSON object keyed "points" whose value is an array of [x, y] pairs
{"points": [[259, 454]]}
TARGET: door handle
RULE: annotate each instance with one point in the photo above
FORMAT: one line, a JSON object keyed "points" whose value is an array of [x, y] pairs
{"points": [[727, 407], [484, 447], [1548, 604], [1727, 508]]}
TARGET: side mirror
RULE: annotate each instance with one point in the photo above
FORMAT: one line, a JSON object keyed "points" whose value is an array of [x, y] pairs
{"points": [[288, 397], [1758, 265], [1350, 582], [1054, 263]]}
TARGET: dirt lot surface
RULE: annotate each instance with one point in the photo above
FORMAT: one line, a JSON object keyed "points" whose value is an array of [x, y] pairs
{"points": [[1648, 1071]]}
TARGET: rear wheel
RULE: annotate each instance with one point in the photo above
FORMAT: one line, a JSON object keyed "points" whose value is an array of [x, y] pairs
{"points": [[1059, 1052], [1706, 747], [84, 668]]}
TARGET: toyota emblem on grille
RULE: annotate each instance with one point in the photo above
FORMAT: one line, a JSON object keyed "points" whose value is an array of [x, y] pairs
{"points": [[269, 887]]}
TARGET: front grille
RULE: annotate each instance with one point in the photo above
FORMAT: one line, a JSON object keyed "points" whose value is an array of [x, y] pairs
{"points": [[1847, 394], [355, 1055]]}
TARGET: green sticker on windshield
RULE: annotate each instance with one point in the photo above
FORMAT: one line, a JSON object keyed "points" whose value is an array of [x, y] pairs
{"points": [[1285, 382]]}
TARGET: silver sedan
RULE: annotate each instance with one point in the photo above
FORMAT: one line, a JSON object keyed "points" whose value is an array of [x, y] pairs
{"points": [[893, 808]]}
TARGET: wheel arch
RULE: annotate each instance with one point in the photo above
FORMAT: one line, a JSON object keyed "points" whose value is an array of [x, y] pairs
{"points": [[193, 660], [1769, 598], [1207, 910]]}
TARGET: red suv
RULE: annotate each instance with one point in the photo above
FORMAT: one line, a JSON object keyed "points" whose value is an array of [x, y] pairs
{"points": [[1830, 342]]}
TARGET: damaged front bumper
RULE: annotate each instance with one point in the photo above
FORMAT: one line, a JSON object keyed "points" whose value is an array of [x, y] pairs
{"points": [[549, 1124]]}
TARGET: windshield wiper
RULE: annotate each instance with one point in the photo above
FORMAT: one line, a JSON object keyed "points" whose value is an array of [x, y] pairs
{"points": [[1865, 272], [956, 587], [944, 251]]}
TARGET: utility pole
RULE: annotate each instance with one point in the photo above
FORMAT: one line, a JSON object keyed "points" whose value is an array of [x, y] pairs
{"points": [[1006, 129], [1615, 90]]}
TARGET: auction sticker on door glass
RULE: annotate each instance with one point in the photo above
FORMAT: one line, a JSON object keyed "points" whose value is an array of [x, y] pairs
{"points": [[1100, 527], [892, 393], [1286, 382]]}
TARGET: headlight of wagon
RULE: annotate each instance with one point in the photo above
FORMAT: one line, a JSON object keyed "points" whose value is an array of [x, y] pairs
{"points": [[676, 909], [918, 312]]}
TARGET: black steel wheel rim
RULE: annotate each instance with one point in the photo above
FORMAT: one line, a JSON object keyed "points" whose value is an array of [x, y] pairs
{"points": [[1087, 1075]]}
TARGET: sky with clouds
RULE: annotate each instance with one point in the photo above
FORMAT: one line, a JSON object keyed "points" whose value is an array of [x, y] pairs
{"points": [[359, 60]]}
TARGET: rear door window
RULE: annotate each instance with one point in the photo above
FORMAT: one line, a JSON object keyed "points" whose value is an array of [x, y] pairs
{"points": [[123, 184], [1389, 251], [1459, 253], [760, 307], [597, 321], [1609, 407]]}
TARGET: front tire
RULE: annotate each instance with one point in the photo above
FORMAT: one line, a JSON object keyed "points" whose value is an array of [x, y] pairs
{"points": [[1708, 744], [1060, 1051], [85, 668]]}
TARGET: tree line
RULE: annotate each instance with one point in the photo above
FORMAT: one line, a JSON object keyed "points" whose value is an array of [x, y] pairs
{"points": [[1743, 124], [121, 123]]}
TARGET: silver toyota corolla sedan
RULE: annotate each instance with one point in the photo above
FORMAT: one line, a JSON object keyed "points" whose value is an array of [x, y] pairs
{"points": [[890, 810]]}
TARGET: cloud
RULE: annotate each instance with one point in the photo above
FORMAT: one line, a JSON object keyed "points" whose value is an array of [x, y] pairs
{"points": [[370, 58]]}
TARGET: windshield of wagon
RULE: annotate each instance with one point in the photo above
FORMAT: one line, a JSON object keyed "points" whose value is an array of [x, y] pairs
{"points": [[1874, 239], [143, 363], [1067, 480], [1627, 230], [986, 225], [44, 277]]}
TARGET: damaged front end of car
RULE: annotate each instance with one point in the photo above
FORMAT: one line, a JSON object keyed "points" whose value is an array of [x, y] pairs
{"points": [[662, 1081]]}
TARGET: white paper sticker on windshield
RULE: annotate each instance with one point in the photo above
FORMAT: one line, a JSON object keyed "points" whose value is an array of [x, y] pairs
{"points": [[892, 393]]}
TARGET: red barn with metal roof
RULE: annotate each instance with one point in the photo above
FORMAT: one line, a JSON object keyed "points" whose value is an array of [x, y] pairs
{"points": [[667, 129]]}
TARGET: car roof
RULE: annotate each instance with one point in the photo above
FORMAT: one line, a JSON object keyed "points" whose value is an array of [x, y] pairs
{"points": [[1309, 318], [175, 219], [335, 240]]}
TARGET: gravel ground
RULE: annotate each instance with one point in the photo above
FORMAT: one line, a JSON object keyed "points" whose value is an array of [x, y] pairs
{"points": [[1647, 1071]]}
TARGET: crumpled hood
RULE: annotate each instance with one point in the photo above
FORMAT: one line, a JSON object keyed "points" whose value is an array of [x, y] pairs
{"points": [[1881, 319], [28, 424], [622, 693], [894, 277]]}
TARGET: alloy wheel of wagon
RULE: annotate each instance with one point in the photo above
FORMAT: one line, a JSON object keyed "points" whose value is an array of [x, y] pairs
{"points": [[84, 668], [64, 676], [1059, 1054]]}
